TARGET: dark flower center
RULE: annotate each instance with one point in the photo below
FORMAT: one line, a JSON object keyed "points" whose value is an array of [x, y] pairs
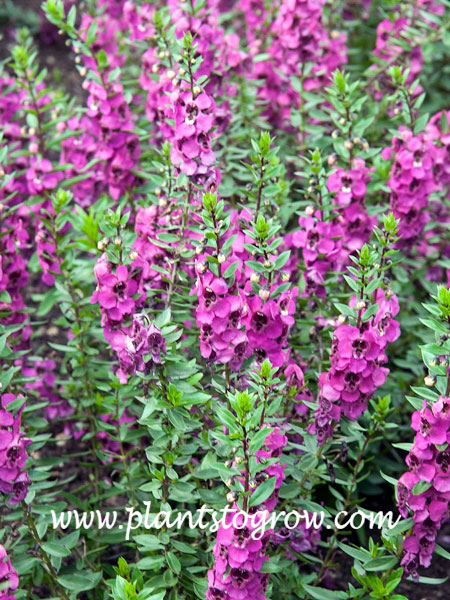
{"points": [[359, 347], [155, 340], [259, 320], [209, 296], [120, 288], [12, 454], [443, 460]]}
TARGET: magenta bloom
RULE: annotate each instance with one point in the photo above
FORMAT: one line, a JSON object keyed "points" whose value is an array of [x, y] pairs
{"points": [[8, 576], [114, 293], [428, 462]]}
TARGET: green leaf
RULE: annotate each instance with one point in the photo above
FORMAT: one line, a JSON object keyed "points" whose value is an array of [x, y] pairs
{"points": [[323, 594], [281, 260], [381, 563], [173, 562], [55, 549], [262, 492], [81, 581], [150, 563]]}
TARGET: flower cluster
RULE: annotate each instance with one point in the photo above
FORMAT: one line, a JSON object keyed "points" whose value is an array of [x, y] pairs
{"points": [[425, 488], [268, 324], [193, 114], [350, 189], [219, 315], [238, 556], [298, 37], [411, 182], [356, 371], [13, 454], [9, 580], [321, 246], [238, 559]]}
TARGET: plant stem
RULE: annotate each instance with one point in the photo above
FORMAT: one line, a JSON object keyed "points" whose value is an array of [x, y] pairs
{"points": [[51, 571]]}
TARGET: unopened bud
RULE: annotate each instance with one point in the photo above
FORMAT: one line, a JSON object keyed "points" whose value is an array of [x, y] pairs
{"points": [[341, 319], [267, 264], [429, 380], [264, 293], [32, 131], [197, 90], [170, 74], [284, 276], [117, 241], [255, 278], [102, 244], [342, 121], [309, 211], [202, 267], [335, 134], [360, 305], [83, 72], [231, 497], [158, 192], [356, 140], [221, 258], [348, 144], [133, 255], [162, 203], [155, 68]]}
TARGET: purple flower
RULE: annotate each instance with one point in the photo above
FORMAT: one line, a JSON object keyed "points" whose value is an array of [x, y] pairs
{"points": [[9, 580]]}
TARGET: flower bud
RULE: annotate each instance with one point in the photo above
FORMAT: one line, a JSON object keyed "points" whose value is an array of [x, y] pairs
{"points": [[264, 293], [231, 497], [221, 258], [429, 380], [348, 144], [309, 211], [255, 278], [284, 276], [202, 267], [170, 74], [102, 244], [360, 305], [133, 255], [117, 241]]}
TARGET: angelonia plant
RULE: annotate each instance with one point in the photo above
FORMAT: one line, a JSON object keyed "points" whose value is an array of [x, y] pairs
{"points": [[224, 299]]}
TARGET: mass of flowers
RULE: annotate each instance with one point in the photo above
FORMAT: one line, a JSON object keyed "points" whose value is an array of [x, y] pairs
{"points": [[224, 289]]}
